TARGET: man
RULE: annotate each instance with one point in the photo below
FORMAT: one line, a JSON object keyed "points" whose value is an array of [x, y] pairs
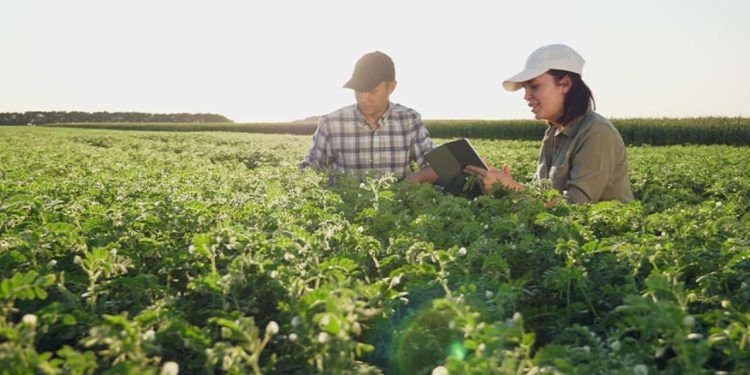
{"points": [[373, 135]]}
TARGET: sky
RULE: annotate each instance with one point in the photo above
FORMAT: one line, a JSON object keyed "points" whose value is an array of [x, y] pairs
{"points": [[285, 60]]}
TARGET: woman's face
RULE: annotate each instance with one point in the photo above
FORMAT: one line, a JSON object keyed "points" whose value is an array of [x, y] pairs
{"points": [[546, 97]]}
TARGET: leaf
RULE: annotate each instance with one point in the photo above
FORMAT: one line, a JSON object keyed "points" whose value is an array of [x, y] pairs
{"points": [[202, 243], [743, 256], [68, 320]]}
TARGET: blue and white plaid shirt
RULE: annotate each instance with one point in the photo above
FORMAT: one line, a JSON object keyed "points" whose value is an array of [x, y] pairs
{"points": [[345, 143]]}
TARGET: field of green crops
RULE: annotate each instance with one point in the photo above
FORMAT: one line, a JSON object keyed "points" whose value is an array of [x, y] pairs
{"points": [[733, 131], [159, 252]]}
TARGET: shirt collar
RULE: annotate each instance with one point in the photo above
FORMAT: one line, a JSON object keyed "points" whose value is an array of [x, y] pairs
{"points": [[572, 128], [383, 119]]}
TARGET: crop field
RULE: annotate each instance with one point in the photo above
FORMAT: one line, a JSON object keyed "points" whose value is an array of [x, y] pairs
{"points": [[635, 131], [164, 252]]}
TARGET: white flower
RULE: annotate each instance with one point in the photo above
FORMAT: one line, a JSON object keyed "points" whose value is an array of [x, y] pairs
{"points": [[718, 204], [518, 318], [191, 249], [296, 321], [481, 347], [170, 368], [323, 337], [288, 256], [440, 370], [615, 345], [29, 319], [292, 337], [694, 336], [272, 328], [489, 294], [360, 229], [640, 369], [395, 281], [462, 251], [326, 319], [52, 263], [273, 274], [688, 321], [726, 303], [149, 335]]}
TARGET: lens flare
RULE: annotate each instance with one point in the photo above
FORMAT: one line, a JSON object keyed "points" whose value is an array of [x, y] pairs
{"points": [[458, 350]]}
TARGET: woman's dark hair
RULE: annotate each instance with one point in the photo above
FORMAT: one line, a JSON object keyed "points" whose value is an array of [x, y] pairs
{"points": [[577, 99]]}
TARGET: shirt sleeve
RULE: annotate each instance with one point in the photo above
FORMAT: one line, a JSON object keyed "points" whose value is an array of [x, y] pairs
{"points": [[592, 167], [318, 155], [422, 143]]}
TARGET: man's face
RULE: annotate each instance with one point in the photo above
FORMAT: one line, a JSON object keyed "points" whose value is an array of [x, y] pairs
{"points": [[375, 101]]}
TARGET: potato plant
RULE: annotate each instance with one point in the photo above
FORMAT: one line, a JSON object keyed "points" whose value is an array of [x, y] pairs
{"points": [[142, 252]]}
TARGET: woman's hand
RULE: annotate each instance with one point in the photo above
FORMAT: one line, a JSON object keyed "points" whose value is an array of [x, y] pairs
{"points": [[492, 176]]}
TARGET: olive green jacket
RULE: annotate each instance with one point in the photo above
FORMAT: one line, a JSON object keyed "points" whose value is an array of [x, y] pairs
{"points": [[587, 160]]}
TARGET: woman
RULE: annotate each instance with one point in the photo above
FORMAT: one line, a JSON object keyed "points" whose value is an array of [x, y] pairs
{"points": [[582, 152]]}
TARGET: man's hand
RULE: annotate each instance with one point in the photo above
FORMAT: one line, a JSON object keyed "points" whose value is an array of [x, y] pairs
{"points": [[426, 174], [492, 176]]}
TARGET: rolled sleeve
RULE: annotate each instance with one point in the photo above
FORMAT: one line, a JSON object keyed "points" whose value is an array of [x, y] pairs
{"points": [[422, 143], [318, 155], [592, 167]]}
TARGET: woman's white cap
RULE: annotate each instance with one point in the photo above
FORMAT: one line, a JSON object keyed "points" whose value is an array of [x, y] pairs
{"points": [[553, 56]]}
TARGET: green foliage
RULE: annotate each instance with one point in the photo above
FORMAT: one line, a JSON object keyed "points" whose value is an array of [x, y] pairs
{"points": [[635, 131], [56, 117], [151, 252]]}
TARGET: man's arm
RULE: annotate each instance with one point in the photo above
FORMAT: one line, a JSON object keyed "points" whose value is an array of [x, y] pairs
{"points": [[421, 147], [318, 156], [426, 174]]}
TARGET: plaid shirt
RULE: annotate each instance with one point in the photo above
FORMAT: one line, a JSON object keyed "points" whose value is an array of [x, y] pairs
{"points": [[344, 142]]}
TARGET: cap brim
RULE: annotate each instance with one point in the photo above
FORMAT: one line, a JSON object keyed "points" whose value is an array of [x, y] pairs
{"points": [[360, 85], [516, 82]]}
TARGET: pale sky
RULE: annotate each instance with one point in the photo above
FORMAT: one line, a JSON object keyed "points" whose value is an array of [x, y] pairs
{"points": [[284, 60]]}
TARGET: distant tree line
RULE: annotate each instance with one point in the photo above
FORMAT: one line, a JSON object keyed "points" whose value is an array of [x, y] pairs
{"points": [[635, 131], [52, 117]]}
